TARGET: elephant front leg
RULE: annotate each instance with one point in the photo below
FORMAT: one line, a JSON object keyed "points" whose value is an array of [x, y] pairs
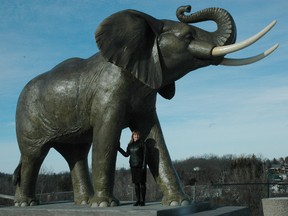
{"points": [[163, 170], [104, 151]]}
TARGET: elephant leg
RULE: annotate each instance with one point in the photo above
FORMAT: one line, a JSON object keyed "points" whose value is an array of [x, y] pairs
{"points": [[161, 166], [27, 174], [76, 156], [104, 152]]}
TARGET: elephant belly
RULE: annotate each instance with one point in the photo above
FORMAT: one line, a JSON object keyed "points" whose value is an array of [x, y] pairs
{"points": [[48, 113], [38, 130]]}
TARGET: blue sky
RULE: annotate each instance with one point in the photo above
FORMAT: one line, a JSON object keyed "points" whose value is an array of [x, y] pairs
{"points": [[217, 110]]}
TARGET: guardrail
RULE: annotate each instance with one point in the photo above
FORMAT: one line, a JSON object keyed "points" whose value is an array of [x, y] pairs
{"points": [[3, 196], [44, 197]]}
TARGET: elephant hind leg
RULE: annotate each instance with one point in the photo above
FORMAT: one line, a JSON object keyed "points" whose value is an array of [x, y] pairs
{"points": [[25, 177], [76, 157], [17, 174]]}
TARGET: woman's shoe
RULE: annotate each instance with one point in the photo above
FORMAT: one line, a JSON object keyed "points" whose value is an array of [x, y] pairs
{"points": [[137, 203]]}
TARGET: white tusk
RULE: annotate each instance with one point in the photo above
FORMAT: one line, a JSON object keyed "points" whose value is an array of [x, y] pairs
{"points": [[245, 61], [223, 50]]}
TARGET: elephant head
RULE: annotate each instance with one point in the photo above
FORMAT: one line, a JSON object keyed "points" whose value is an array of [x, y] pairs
{"points": [[159, 52]]}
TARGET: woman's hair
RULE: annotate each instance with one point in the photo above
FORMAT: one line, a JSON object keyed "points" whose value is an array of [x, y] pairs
{"points": [[134, 132]]}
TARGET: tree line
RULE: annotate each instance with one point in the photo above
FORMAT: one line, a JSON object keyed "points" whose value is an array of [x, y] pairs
{"points": [[208, 172]]}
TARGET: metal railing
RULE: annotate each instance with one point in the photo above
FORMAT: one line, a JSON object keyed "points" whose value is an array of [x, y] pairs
{"points": [[242, 194], [47, 197], [3, 196]]}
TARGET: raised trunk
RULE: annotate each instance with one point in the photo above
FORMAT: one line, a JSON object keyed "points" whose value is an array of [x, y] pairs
{"points": [[226, 28]]}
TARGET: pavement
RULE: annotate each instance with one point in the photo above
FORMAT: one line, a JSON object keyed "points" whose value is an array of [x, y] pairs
{"points": [[125, 209]]}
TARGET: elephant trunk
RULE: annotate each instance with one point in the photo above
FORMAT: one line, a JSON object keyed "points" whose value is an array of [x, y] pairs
{"points": [[223, 39], [226, 28]]}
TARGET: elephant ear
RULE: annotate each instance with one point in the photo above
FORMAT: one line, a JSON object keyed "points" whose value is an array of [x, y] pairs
{"points": [[167, 91], [128, 39]]}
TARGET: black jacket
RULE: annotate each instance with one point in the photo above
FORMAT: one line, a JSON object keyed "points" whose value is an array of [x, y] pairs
{"points": [[137, 152]]}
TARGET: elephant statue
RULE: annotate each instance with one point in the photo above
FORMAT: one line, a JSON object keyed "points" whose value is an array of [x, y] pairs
{"points": [[87, 102]]}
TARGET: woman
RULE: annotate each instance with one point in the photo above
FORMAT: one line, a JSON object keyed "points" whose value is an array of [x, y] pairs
{"points": [[136, 149]]}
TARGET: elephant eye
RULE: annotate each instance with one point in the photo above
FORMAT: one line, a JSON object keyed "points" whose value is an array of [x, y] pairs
{"points": [[188, 37]]}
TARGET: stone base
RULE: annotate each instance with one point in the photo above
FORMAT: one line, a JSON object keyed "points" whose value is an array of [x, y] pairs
{"points": [[125, 209], [277, 206]]}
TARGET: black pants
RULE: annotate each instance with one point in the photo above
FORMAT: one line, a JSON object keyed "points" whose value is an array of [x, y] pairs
{"points": [[138, 175], [139, 179], [140, 189]]}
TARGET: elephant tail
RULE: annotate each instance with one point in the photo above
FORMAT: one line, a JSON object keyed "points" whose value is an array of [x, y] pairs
{"points": [[17, 174]]}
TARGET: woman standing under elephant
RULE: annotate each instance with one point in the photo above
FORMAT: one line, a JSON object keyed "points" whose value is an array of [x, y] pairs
{"points": [[136, 149]]}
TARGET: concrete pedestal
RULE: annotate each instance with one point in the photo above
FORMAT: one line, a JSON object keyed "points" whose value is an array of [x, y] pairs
{"points": [[277, 206], [125, 209]]}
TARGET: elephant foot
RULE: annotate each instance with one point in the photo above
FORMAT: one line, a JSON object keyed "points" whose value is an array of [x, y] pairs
{"points": [[25, 203], [82, 200], [23, 200], [105, 201], [176, 200]]}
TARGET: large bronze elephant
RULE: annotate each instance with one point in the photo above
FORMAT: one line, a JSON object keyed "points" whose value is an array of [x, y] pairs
{"points": [[89, 101]]}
